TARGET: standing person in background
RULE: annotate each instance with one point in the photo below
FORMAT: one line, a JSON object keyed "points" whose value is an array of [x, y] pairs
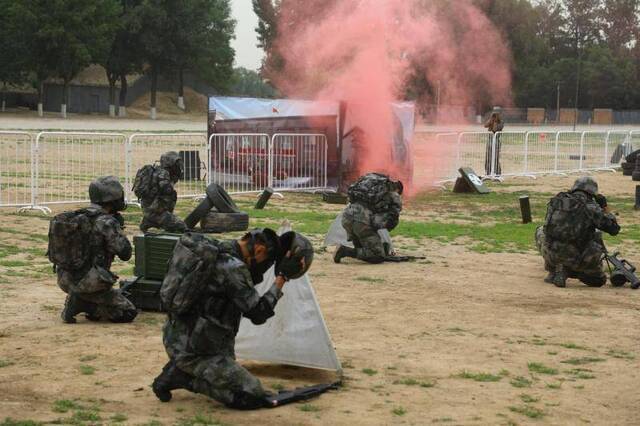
{"points": [[494, 125]]}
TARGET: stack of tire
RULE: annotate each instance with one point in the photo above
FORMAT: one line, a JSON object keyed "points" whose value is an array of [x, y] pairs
{"points": [[217, 213]]}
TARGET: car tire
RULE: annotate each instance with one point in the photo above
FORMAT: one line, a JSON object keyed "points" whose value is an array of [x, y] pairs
{"points": [[217, 222], [221, 199]]}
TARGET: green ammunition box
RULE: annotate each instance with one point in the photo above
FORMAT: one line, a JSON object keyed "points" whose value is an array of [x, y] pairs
{"points": [[144, 294]]}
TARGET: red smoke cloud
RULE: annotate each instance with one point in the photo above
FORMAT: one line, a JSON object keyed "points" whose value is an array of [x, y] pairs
{"points": [[363, 52]]}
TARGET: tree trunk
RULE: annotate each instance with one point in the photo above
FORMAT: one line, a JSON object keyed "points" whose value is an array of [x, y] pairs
{"points": [[40, 98], [122, 110], [154, 89], [112, 95], [181, 89], [65, 98], [4, 97]]}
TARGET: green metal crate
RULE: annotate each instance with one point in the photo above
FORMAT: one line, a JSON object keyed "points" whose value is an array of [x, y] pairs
{"points": [[144, 294], [153, 252]]}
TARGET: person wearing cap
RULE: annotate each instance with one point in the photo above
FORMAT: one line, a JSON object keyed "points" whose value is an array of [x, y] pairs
{"points": [[155, 186], [570, 241], [200, 343]]}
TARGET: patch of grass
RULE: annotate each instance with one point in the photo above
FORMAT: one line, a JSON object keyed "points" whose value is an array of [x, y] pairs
{"points": [[399, 411], [14, 263], [86, 358], [529, 411], [456, 330], [413, 382], [479, 377], [87, 369], [64, 405], [538, 367], [442, 420], [370, 279], [504, 373], [581, 373], [82, 416], [151, 423], [582, 360], [528, 398], [309, 408], [199, 420], [557, 385], [552, 353], [277, 386], [8, 421], [369, 371], [5, 363], [119, 418], [520, 382], [616, 353], [573, 346]]}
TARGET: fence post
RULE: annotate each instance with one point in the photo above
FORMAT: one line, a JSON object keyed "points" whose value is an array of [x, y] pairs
{"points": [[35, 177], [270, 144], [581, 150], [208, 163], [458, 146], [494, 153], [555, 161], [606, 149], [326, 160], [127, 166], [526, 152]]}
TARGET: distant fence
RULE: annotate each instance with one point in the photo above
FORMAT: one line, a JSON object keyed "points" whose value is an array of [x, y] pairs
{"points": [[57, 167], [524, 153]]}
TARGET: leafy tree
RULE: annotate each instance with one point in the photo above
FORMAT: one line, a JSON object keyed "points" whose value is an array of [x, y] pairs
{"points": [[13, 66], [249, 83]]}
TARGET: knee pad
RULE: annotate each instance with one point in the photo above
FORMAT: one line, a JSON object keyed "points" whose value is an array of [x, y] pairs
{"points": [[593, 280], [127, 316]]}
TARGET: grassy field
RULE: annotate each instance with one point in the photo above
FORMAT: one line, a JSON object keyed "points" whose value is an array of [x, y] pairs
{"points": [[470, 335]]}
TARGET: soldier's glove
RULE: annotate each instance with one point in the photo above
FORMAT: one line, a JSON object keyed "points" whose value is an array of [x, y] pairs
{"points": [[119, 218], [601, 200], [289, 266]]}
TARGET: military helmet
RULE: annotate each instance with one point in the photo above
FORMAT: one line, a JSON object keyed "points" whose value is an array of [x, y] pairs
{"points": [[586, 184], [105, 189], [300, 248], [169, 160]]}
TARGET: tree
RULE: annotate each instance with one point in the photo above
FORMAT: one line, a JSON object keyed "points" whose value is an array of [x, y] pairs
{"points": [[125, 54], [249, 83], [13, 66]]}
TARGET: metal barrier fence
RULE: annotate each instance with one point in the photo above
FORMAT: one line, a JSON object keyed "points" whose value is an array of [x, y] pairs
{"points": [[57, 167], [240, 162], [16, 169], [193, 149], [528, 153]]}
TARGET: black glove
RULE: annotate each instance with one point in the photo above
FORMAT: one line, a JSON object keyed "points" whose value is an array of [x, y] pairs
{"points": [[601, 200], [119, 218], [288, 266]]}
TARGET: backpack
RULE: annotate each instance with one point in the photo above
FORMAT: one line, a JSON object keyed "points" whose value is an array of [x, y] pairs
{"points": [[70, 239], [369, 190], [143, 185], [190, 267], [568, 219]]}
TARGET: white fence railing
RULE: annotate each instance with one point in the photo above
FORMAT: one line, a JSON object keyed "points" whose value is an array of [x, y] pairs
{"points": [[57, 167], [525, 153]]}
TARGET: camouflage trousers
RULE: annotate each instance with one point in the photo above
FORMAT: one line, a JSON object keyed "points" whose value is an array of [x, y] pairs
{"points": [[162, 220], [110, 305], [583, 263], [366, 240]]}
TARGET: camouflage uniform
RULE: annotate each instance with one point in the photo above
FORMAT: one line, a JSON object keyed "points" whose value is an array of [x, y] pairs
{"points": [[580, 257], [362, 223], [93, 284], [158, 211], [202, 344]]}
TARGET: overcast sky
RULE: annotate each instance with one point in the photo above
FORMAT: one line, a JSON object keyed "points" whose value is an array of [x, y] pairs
{"points": [[248, 55]]}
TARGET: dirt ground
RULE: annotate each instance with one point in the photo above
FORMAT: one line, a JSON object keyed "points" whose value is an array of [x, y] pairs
{"points": [[461, 338]]}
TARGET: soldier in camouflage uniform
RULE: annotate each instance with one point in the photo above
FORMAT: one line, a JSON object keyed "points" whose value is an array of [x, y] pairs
{"points": [[158, 210], [90, 289], [362, 219], [200, 344], [571, 240]]}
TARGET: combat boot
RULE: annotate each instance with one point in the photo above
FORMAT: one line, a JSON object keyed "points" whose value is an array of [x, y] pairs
{"points": [[550, 277], [560, 277], [73, 305], [343, 251], [170, 379]]}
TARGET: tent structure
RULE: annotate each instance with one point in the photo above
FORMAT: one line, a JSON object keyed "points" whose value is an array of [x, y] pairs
{"points": [[295, 335], [337, 235]]}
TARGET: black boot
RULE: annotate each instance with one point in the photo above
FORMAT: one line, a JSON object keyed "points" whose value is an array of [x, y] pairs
{"points": [[550, 277], [171, 378], [73, 305], [560, 277], [343, 251]]}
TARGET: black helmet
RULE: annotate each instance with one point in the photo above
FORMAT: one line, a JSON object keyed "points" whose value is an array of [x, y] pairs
{"points": [[586, 184], [106, 189], [269, 239], [300, 248], [172, 162]]}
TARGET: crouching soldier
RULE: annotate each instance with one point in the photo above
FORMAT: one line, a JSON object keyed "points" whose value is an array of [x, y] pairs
{"points": [[374, 203], [153, 186], [208, 288], [82, 246], [571, 240]]}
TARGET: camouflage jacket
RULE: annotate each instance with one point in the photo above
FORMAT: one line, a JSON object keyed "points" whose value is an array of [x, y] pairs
{"points": [[166, 197], [107, 241], [212, 326], [591, 217]]}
